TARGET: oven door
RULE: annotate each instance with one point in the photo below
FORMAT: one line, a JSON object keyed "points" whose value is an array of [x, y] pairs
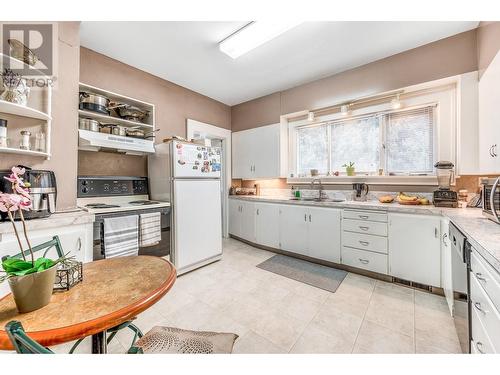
{"points": [[162, 249]]}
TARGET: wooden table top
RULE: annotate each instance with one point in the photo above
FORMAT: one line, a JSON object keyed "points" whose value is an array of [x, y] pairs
{"points": [[112, 291]]}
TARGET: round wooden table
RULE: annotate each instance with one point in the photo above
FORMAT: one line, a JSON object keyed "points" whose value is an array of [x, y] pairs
{"points": [[112, 292]]}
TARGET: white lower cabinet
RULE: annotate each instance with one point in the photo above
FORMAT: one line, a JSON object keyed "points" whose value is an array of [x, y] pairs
{"points": [[293, 228], [311, 231], [366, 260], [324, 234], [446, 259], [267, 224], [242, 219], [415, 248]]}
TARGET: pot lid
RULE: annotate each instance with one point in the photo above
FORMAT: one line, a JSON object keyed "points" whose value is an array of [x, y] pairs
{"points": [[444, 165]]}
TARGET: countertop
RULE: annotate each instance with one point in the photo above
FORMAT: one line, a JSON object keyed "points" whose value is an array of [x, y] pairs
{"points": [[58, 219], [483, 234]]}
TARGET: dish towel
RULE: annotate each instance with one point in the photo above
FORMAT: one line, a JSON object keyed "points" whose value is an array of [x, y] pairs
{"points": [[121, 236], [150, 229]]}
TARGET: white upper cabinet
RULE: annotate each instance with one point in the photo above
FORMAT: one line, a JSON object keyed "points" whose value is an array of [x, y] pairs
{"points": [[415, 248], [489, 119], [259, 152]]}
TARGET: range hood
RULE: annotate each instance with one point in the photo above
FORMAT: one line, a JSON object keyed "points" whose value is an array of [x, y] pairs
{"points": [[94, 141]]}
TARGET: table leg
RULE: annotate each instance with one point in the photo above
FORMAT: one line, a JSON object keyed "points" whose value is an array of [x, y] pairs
{"points": [[99, 344]]}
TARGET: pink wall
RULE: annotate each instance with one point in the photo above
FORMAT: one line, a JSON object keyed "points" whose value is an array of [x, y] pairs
{"points": [[173, 104], [488, 44], [443, 58]]}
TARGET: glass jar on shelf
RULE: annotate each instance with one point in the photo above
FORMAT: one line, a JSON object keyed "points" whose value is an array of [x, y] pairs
{"points": [[25, 143], [40, 141]]}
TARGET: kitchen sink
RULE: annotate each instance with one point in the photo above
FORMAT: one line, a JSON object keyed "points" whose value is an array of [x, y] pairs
{"points": [[317, 199]]}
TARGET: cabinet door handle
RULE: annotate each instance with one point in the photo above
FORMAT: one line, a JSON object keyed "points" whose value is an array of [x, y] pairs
{"points": [[79, 244], [257, 211], [364, 261], [364, 243], [363, 228], [445, 236], [478, 307], [436, 233], [494, 149], [491, 151], [310, 218], [479, 347], [305, 217], [480, 277]]}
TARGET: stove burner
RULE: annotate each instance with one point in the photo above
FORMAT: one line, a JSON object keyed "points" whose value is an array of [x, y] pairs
{"points": [[101, 205], [143, 202]]}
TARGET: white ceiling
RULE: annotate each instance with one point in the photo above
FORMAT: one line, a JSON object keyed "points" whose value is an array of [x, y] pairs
{"points": [[187, 53]]}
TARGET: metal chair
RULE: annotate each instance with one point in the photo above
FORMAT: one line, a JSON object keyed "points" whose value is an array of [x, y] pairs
{"points": [[56, 243], [22, 343]]}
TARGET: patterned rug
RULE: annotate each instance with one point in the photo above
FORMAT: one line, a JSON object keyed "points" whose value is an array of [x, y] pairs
{"points": [[169, 340]]}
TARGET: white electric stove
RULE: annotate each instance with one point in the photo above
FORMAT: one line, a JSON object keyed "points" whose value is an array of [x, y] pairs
{"points": [[112, 196]]}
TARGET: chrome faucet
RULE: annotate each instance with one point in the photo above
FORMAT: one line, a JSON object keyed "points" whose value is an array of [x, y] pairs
{"points": [[320, 192]]}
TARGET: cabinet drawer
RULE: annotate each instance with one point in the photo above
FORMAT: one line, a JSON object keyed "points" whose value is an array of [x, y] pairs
{"points": [[368, 227], [486, 311], [365, 242], [365, 215], [487, 277], [364, 259], [480, 342]]}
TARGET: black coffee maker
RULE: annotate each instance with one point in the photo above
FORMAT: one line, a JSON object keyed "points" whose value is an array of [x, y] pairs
{"points": [[43, 190]]}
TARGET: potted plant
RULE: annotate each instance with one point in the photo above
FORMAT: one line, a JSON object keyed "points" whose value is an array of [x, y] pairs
{"points": [[349, 168], [31, 280]]}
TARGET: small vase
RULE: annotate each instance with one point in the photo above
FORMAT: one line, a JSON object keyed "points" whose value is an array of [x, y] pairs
{"points": [[32, 292], [350, 171]]}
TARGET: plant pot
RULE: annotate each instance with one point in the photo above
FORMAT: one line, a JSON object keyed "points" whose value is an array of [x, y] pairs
{"points": [[32, 292], [350, 171]]}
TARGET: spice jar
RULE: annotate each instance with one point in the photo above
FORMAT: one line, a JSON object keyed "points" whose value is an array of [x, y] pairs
{"points": [[3, 133], [25, 140]]}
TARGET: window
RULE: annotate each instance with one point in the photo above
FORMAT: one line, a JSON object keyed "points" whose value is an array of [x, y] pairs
{"points": [[409, 141], [399, 142], [356, 141], [313, 149]]}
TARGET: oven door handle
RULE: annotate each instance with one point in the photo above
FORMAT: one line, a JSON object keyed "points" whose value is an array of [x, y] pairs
{"points": [[492, 198]]}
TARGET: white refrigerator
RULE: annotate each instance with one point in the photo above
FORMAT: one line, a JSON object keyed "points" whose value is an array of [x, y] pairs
{"points": [[188, 176]]}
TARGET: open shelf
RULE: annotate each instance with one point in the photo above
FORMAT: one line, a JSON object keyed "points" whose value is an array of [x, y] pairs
{"points": [[114, 120], [10, 150], [21, 110]]}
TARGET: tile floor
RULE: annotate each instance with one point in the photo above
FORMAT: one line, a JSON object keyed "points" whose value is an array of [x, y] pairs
{"points": [[273, 314]]}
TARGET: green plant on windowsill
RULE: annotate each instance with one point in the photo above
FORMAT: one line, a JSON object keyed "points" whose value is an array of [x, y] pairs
{"points": [[349, 168]]}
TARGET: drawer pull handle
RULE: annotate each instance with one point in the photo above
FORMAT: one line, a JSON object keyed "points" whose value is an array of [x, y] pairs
{"points": [[364, 243], [478, 307], [479, 346], [363, 228], [364, 217], [480, 277], [364, 261]]}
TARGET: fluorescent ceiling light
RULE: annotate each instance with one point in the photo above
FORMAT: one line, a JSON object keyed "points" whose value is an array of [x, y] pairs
{"points": [[253, 35]]}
